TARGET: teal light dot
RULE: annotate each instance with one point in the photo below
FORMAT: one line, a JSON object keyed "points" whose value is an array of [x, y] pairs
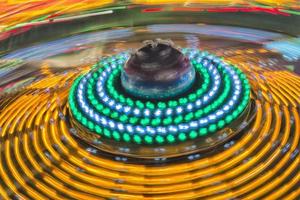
{"points": [[139, 104], [159, 139], [126, 137], [91, 125], [99, 107], [115, 115], [167, 121], [137, 139], [150, 105], [199, 113], [183, 101], [193, 134], [106, 111], [189, 116], [203, 131], [240, 108], [161, 105], [235, 114], [123, 118], [98, 129], [145, 121], [156, 121], [212, 128], [182, 137], [207, 109], [192, 97], [170, 138], [178, 119], [116, 135], [148, 139], [84, 121], [107, 133], [94, 102], [228, 119], [133, 120], [221, 124]]}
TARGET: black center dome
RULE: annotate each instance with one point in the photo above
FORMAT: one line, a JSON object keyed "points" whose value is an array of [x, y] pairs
{"points": [[157, 70]]}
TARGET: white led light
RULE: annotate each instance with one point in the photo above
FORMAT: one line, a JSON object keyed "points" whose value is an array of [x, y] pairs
{"points": [[193, 124], [198, 102], [220, 113], [226, 108], [189, 107], [120, 126], [205, 98], [173, 129], [169, 111], [118, 106], [81, 87], [129, 128], [103, 121], [179, 110], [161, 130], [105, 99], [136, 111], [127, 109], [147, 112], [97, 118], [157, 113], [212, 117], [111, 124], [150, 130], [140, 130], [183, 127], [101, 94]]}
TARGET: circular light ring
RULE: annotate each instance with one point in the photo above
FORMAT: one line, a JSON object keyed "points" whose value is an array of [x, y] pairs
{"points": [[168, 107], [108, 111], [113, 106], [91, 113], [164, 108], [163, 105], [103, 124]]}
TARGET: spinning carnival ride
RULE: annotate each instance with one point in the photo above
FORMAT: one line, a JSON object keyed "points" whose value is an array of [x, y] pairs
{"points": [[88, 113]]}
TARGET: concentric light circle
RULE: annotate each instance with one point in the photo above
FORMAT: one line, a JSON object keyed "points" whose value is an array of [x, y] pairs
{"points": [[221, 93]]}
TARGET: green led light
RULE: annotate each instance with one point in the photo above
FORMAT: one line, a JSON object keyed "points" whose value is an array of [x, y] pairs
{"points": [[159, 139], [203, 131], [148, 139], [193, 134], [170, 138], [229, 119], [221, 124], [84, 121], [126, 137], [98, 129], [137, 139], [212, 128], [116, 135], [182, 136], [107, 133], [90, 125], [203, 87]]}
